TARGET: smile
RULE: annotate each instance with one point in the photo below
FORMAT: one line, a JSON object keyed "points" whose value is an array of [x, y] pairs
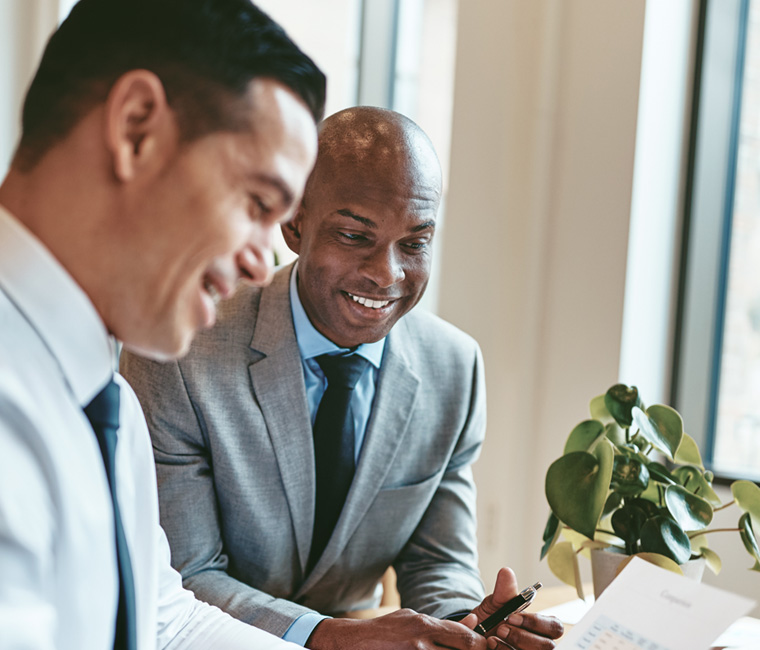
{"points": [[212, 291], [367, 302]]}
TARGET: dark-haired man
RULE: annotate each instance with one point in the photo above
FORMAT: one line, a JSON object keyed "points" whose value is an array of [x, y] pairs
{"points": [[162, 141], [277, 510]]}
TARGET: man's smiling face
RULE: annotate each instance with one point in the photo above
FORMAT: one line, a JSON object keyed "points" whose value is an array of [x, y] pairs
{"points": [[364, 235]]}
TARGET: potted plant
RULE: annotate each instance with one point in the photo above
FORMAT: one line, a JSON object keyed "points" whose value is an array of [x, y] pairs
{"points": [[631, 481]]}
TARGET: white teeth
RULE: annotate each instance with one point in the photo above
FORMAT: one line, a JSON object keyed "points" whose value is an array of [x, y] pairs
{"points": [[212, 291], [372, 304]]}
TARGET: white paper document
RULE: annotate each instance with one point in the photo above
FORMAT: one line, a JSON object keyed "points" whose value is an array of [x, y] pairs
{"points": [[649, 608]]}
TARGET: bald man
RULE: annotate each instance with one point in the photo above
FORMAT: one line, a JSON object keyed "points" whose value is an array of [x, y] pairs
{"points": [[265, 520]]}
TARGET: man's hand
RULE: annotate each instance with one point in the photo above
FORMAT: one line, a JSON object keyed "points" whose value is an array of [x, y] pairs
{"points": [[521, 631], [401, 630]]}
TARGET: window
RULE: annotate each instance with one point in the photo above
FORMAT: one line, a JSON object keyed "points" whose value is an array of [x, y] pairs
{"points": [[716, 383]]}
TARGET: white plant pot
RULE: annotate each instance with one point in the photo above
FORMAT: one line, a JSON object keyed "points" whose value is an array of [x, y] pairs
{"points": [[604, 565]]}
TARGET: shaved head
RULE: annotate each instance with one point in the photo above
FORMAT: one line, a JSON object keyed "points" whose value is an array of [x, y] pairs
{"points": [[367, 139]]}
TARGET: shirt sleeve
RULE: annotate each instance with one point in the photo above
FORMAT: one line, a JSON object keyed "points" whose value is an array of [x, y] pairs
{"points": [[301, 629], [186, 623], [182, 621], [28, 616]]}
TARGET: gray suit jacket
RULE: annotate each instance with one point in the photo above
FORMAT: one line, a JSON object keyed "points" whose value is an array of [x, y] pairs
{"points": [[235, 463]]}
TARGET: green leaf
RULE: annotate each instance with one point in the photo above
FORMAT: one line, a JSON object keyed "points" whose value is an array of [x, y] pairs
{"points": [[649, 508], [551, 533], [584, 436], [695, 482], [615, 434], [664, 536], [611, 504], [749, 539], [627, 523], [654, 492], [712, 559], [653, 558], [660, 425], [620, 400], [640, 443], [629, 476], [747, 496], [563, 562], [576, 487], [660, 473], [689, 510], [599, 411], [688, 452]]}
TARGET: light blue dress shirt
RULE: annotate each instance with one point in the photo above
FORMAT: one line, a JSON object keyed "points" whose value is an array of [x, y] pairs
{"points": [[312, 344]]}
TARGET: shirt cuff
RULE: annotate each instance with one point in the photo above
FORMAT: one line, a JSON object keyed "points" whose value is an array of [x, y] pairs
{"points": [[300, 630]]}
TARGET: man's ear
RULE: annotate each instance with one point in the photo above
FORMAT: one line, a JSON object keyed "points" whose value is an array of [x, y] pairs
{"points": [[291, 231], [137, 121]]}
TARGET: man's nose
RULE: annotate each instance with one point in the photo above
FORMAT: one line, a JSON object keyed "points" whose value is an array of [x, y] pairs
{"points": [[256, 259], [383, 266]]}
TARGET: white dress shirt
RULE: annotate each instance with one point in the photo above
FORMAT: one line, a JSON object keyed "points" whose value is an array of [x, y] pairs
{"points": [[58, 572]]}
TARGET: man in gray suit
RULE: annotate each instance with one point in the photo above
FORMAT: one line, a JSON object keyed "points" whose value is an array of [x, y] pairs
{"points": [[241, 475]]}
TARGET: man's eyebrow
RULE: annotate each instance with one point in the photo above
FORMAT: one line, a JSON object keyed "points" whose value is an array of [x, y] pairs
{"points": [[430, 224], [424, 226], [278, 184], [363, 220]]}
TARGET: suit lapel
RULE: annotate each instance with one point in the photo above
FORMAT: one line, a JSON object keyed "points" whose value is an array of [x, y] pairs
{"points": [[391, 410], [277, 379]]}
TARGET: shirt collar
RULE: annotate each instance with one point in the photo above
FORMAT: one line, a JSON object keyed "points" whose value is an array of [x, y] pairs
{"points": [[57, 308], [312, 344]]}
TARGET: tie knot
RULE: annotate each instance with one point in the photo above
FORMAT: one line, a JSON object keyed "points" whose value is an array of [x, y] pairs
{"points": [[103, 410], [343, 371]]}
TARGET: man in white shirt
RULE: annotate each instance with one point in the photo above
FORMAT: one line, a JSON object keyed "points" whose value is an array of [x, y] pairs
{"points": [[162, 141]]}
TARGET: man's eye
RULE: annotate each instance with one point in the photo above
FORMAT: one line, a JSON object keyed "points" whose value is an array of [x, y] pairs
{"points": [[416, 245], [260, 205], [351, 236]]}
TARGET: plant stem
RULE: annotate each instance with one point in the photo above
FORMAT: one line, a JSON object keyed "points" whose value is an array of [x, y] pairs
{"points": [[697, 533], [725, 505], [609, 532]]}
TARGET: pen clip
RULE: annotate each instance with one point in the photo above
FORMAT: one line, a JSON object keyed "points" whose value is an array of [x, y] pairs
{"points": [[530, 592]]}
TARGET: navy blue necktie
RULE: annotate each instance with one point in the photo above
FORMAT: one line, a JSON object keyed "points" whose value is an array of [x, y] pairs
{"points": [[103, 414], [333, 446]]}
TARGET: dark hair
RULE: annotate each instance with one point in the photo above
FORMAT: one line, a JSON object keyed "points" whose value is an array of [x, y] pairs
{"points": [[205, 52]]}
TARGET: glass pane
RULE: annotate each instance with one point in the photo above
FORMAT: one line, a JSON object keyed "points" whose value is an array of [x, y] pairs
{"points": [[737, 434], [328, 31]]}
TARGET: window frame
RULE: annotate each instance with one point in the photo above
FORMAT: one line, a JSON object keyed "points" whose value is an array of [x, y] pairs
{"points": [[708, 216]]}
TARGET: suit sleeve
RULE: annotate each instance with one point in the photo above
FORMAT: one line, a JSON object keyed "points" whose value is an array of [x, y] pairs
{"points": [[188, 502], [437, 571]]}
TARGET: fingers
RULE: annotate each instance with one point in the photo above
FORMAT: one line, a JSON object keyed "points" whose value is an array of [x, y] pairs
{"points": [[548, 626], [452, 635], [528, 632], [470, 621]]}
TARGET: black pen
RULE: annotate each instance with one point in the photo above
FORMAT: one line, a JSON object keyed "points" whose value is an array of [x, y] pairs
{"points": [[512, 606]]}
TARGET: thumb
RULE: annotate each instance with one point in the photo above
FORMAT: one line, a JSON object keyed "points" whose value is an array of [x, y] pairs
{"points": [[505, 588]]}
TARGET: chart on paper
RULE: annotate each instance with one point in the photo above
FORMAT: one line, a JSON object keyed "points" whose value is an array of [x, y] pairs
{"points": [[606, 634]]}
